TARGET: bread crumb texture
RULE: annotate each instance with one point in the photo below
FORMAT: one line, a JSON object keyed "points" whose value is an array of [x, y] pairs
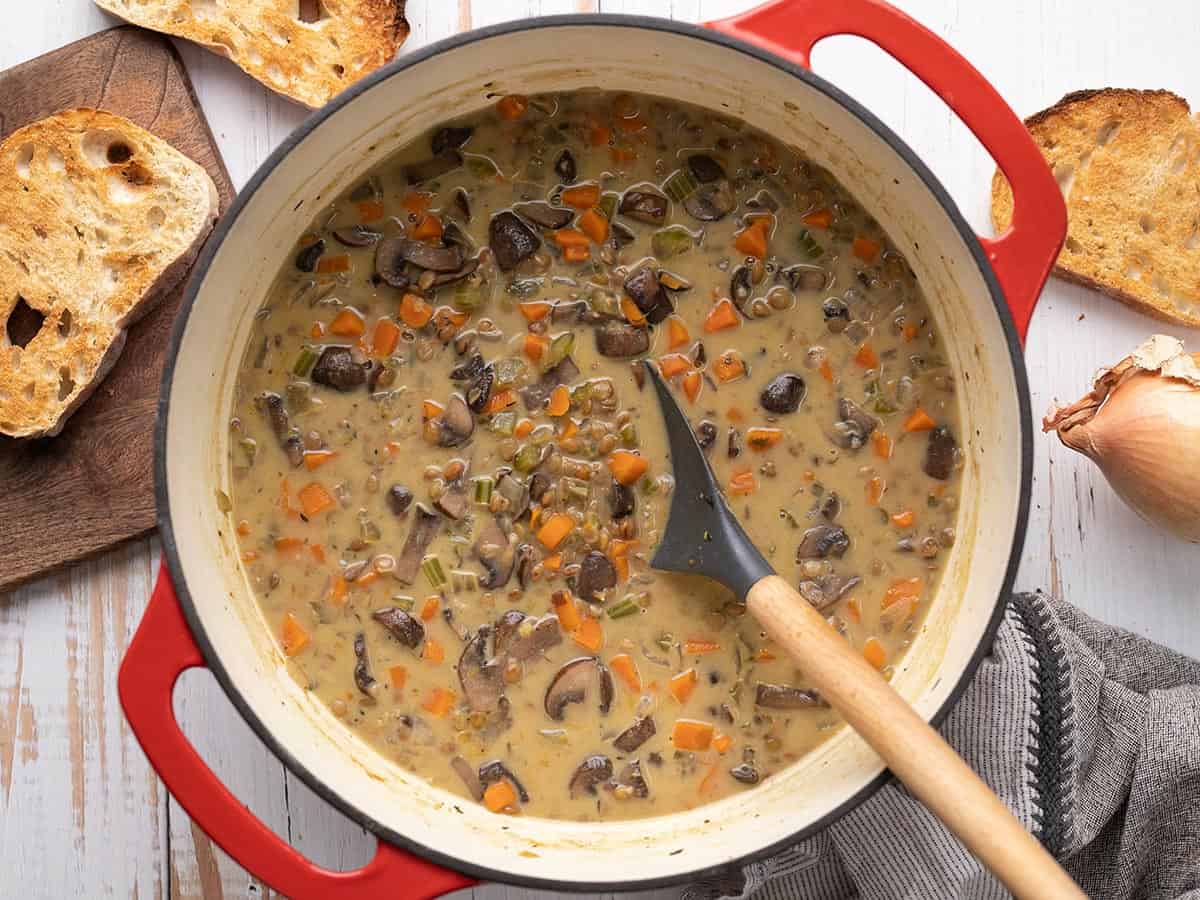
{"points": [[308, 50], [1128, 164], [98, 218]]}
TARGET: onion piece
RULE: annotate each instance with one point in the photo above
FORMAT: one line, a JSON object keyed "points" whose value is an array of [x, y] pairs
{"points": [[1140, 424]]}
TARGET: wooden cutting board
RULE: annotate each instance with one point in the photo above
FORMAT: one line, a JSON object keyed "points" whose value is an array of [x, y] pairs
{"points": [[92, 486]]}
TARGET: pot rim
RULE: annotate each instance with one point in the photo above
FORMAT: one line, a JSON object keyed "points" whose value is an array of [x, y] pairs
{"points": [[225, 225]]}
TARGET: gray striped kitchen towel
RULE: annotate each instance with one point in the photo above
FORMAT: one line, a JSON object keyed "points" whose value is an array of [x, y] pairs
{"points": [[1089, 733]]}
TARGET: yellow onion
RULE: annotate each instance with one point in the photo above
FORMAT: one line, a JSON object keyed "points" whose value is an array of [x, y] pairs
{"points": [[1141, 425]]}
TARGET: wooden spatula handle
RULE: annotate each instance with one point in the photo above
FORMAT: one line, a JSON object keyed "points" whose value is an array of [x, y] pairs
{"points": [[914, 752]]}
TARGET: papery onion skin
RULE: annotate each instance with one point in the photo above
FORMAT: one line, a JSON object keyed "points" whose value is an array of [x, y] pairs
{"points": [[1142, 429]]}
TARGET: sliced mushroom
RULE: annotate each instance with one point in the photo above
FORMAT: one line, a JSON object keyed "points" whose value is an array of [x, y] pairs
{"points": [[456, 424], [523, 638], [480, 390], [453, 502], [644, 206], [740, 288], [622, 235], [481, 677], [712, 202], [293, 448], [805, 278], [470, 777], [450, 138], [631, 776], [525, 562], [516, 492], [491, 772], [596, 575], [470, 370], [511, 240], [468, 268], [496, 554], [745, 773], [940, 454], [706, 435], [565, 168], [593, 771], [854, 425], [618, 340], [823, 541], [535, 395], [424, 530], [356, 236], [704, 168], [390, 264], [275, 411], [622, 501], [573, 682], [648, 295], [399, 499], [337, 369], [827, 506], [405, 628], [428, 170], [306, 259], [636, 734], [783, 696], [462, 203], [783, 394], [542, 214], [362, 666], [825, 591], [423, 254]]}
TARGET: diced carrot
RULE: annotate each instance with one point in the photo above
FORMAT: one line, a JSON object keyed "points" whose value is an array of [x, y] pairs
{"points": [[499, 796], [371, 210], [583, 196], [743, 483], [523, 428], [854, 610], [826, 370], [627, 467], [594, 225], [723, 315], [632, 124], [881, 443], [512, 106], [918, 421], [288, 544], [249, 555], [560, 401], [874, 651], [691, 734], [314, 499], [764, 655], [570, 428], [692, 383], [535, 310], [589, 634], [677, 333], [285, 503], [633, 315], [621, 564], [598, 135], [618, 547], [553, 562], [295, 636], [414, 311], [555, 530], [910, 332], [626, 669], [447, 316], [867, 357], [875, 488], [429, 608], [317, 551], [698, 646], [735, 414], [566, 610], [431, 409], [721, 742], [752, 240], [622, 155], [243, 528], [865, 248], [708, 783], [439, 702], [385, 337], [904, 518], [331, 264], [809, 475], [314, 459], [673, 364], [398, 675], [761, 439], [367, 578], [729, 366], [433, 651], [821, 218], [317, 330], [428, 229], [417, 202], [499, 401], [902, 589], [570, 237], [682, 685], [535, 346], [347, 323], [577, 254]]}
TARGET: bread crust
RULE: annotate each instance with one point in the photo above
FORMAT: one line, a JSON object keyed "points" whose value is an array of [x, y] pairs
{"points": [[1129, 163], [309, 62], [99, 219]]}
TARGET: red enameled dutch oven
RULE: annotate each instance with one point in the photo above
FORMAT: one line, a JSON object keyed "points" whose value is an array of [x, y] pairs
{"points": [[755, 67]]}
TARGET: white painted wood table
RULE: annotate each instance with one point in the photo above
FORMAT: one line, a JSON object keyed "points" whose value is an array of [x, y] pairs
{"points": [[83, 815]]}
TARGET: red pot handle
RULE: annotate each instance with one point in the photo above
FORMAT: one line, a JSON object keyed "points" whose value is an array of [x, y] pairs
{"points": [[160, 652], [1021, 257]]}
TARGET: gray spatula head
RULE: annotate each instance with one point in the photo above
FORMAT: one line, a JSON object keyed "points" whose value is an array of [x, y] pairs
{"points": [[702, 536]]}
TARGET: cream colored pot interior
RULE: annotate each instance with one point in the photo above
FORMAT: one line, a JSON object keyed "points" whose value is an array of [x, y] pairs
{"points": [[350, 142]]}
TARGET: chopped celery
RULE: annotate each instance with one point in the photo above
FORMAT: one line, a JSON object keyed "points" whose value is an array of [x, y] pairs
{"points": [[507, 371], [400, 601], [305, 361], [671, 241], [299, 396], [504, 423], [576, 488], [483, 489], [560, 349], [629, 435], [527, 458], [626, 607], [809, 245], [463, 580], [581, 393], [607, 204], [480, 166], [681, 185], [431, 568]]}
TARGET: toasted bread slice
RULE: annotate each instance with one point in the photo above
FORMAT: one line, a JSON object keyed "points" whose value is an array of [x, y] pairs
{"points": [[1128, 163], [98, 219], [308, 50]]}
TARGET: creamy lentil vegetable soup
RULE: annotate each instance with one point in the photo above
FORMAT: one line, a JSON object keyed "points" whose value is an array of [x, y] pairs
{"points": [[448, 475]]}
